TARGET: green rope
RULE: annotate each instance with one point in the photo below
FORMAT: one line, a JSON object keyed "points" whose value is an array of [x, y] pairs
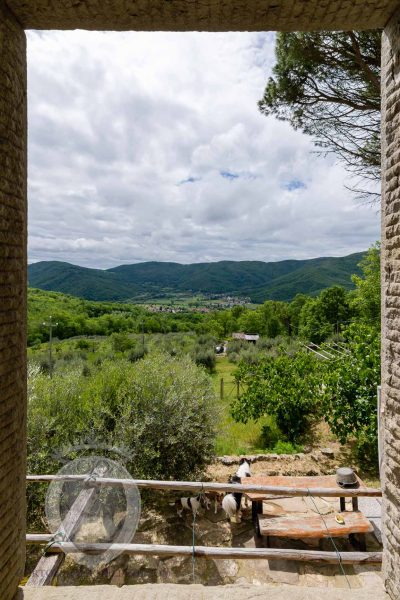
{"points": [[332, 540], [57, 538]]}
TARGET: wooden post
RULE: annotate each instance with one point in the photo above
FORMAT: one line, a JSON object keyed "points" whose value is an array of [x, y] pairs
{"points": [[48, 565], [256, 509]]}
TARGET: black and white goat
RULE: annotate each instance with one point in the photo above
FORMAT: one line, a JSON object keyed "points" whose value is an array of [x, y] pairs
{"points": [[193, 504], [244, 468], [244, 471], [232, 502]]}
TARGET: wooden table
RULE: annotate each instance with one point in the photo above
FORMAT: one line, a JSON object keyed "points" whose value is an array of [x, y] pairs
{"points": [[297, 529]]}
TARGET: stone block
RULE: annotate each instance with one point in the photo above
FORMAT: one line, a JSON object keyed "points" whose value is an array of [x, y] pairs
{"points": [[209, 15]]}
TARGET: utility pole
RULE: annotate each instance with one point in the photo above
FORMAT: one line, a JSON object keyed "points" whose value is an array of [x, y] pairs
{"points": [[50, 325]]}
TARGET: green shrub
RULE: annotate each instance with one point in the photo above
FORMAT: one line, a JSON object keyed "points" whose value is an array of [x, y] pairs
{"points": [[82, 344], [85, 371], [270, 435], [120, 342], [45, 365], [205, 357], [266, 343], [274, 440], [168, 419], [160, 408], [234, 357], [137, 353], [250, 355], [206, 340], [239, 350], [235, 347], [282, 447]]}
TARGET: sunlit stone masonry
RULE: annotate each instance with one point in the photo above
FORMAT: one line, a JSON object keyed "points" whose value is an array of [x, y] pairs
{"points": [[175, 15], [12, 300], [391, 300]]}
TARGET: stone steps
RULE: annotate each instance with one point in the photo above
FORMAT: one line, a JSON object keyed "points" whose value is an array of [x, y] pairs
{"points": [[199, 592]]}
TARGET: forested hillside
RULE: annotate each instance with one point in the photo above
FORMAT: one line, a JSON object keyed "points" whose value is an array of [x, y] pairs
{"points": [[258, 280], [313, 317]]}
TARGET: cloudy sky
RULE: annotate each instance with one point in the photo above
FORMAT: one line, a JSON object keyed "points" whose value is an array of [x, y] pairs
{"points": [[150, 146]]}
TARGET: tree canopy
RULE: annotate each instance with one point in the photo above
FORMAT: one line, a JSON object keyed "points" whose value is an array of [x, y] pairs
{"points": [[350, 391], [328, 85], [366, 298], [286, 387], [325, 315]]}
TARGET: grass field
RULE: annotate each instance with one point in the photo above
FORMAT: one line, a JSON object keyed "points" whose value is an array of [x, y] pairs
{"points": [[233, 438]]}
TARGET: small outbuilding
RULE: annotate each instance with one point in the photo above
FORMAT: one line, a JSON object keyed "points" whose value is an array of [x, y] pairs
{"points": [[247, 337]]}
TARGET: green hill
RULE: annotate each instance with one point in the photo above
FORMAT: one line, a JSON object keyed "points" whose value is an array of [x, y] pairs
{"points": [[259, 280], [92, 284]]}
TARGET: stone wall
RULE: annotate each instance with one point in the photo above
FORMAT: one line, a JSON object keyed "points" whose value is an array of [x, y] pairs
{"points": [[391, 301], [12, 301], [203, 15], [175, 15]]}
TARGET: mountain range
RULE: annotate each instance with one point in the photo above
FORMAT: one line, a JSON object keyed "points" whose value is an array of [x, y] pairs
{"points": [[255, 279]]}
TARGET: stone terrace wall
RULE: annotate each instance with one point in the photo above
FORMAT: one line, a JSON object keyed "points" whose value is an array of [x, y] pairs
{"points": [[203, 15], [12, 301], [391, 300]]}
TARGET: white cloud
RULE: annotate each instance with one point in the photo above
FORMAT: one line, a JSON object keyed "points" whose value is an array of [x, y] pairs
{"points": [[149, 146]]}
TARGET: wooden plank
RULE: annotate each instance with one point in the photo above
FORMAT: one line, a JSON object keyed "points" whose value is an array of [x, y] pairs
{"points": [[38, 538], [215, 552], [48, 565], [45, 570], [305, 481], [323, 483], [194, 487], [312, 526]]}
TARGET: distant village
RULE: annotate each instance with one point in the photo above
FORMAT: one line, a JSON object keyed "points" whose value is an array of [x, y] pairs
{"points": [[209, 303]]}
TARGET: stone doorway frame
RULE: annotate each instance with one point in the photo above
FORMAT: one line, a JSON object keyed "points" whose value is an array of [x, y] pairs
{"points": [[176, 15]]}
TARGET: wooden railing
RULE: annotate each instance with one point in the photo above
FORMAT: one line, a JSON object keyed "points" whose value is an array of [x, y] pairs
{"points": [[196, 487], [211, 551], [48, 565]]}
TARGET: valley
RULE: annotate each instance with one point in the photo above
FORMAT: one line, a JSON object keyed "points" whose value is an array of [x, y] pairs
{"points": [[164, 282]]}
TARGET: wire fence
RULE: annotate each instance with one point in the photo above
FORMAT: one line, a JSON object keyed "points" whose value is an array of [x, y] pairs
{"points": [[229, 389]]}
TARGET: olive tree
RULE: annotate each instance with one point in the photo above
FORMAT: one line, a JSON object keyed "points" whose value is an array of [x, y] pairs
{"points": [[160, 410]]}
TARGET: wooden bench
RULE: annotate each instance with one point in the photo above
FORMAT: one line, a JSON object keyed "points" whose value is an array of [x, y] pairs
{"points": [[295, 526]]}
